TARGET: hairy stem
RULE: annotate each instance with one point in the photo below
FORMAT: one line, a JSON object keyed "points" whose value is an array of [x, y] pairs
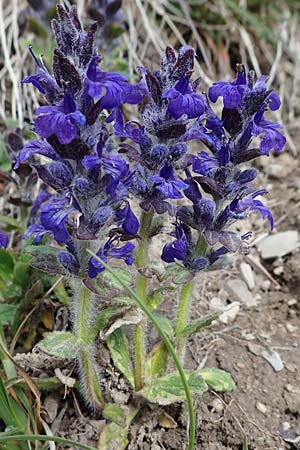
{"points": [[169, 346], [139, 335], [82, 321], [185, 301]]}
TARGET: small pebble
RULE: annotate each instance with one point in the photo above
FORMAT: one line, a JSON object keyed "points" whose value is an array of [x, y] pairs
{"points": [[278, 270], [291, 328], [286, 426], [265, 285], [292, 302], [261, 407], [230, 313], [247, 275], [217, 405]]}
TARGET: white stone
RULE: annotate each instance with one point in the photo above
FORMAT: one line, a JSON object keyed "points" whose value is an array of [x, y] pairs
{"points": [[247, 275], [279, 244], [261, 407], [278, 270], [274, 359], [216, 304], [230, 312]]}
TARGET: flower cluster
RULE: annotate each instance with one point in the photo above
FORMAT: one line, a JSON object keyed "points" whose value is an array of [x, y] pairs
{"points": [[172, 106], [86, 184], [220, 190]]}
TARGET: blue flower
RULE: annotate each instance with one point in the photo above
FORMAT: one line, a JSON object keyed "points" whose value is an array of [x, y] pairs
{"points": [[182, 100], [243, 90], [112, 88], [128, 220], [69, 262], [177, 249], [110, 250], [54, 216], [167, 183], [60, 120], [35, 148], [42, 79], [3, 239], [272, 138]]}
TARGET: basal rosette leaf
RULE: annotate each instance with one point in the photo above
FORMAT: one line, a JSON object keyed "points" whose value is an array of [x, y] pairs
{"points": [[217, 379], [119, 349], [62, 344], [169, 389], [157, 361], [112, 437]]}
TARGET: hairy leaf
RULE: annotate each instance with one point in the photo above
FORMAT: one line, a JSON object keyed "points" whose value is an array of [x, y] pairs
{"points": [[62, 344], [165, 324], [197, 325], [8, 313], [169, 389], [116, 413], [217, 379], [119, 349], [6, 264], [157, 361], [21, 273], [113, 437]]}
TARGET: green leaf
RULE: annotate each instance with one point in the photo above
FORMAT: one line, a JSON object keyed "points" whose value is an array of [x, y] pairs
{"points": [[217, 379], [119, 348], [116, 413], [13, 292], [21, 273], [154, 300], [12, 224], [36, 250], [179, 274], [113, 437], [33, 292], [105, 316], [169, 389], [199, 324], [6, 264], [8, 313], [62, 344], [157, 361], [111, 282], [166, 324], [61, 294]]}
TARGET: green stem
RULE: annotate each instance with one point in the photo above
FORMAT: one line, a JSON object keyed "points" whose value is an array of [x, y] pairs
{"points": [[139, 334], [169, 346], [185, 300], [183, 313], [37, 437], [90, 385]]}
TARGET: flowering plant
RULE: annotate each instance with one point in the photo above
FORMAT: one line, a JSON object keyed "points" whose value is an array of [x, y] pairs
{"points": [[98, 170]]}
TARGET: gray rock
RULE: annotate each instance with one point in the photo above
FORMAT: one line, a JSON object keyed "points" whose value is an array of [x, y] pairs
{"points": [[247, 275], [279, 244], [238, 290], [274, 359]]}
